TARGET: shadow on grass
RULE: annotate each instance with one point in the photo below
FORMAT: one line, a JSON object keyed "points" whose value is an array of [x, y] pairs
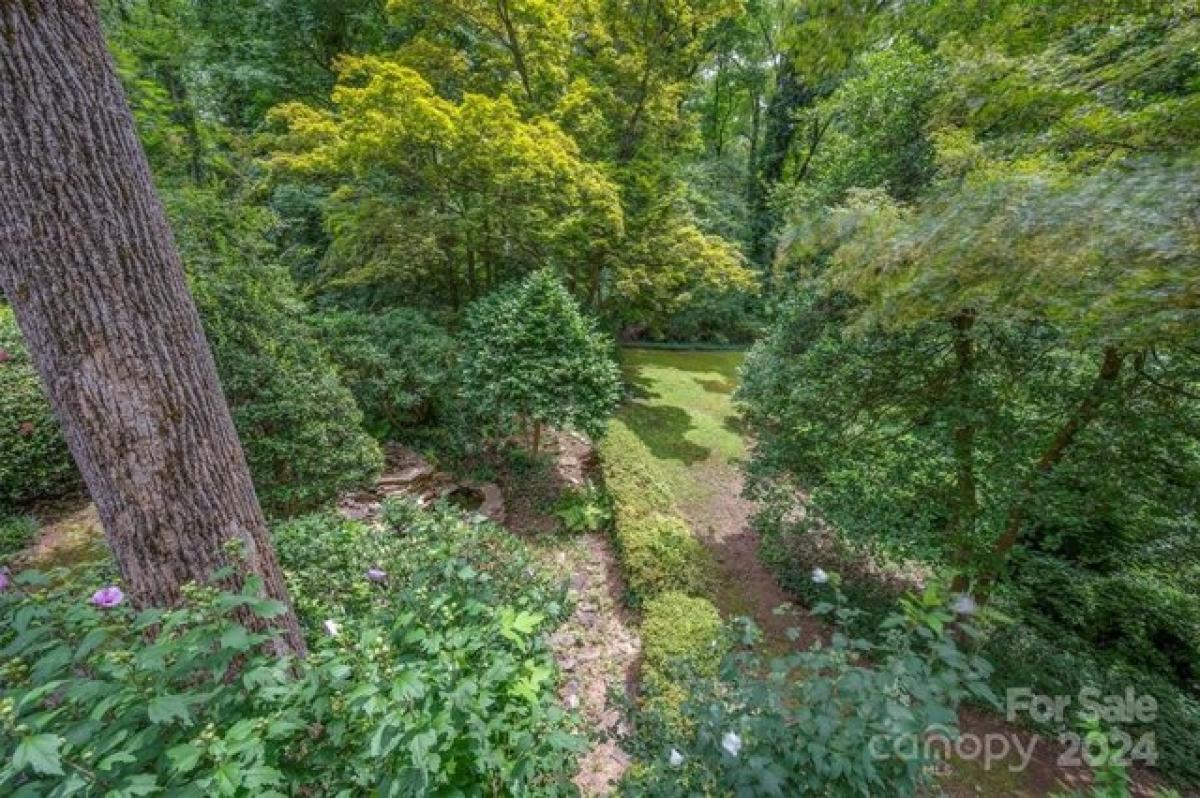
{"points": [[663, 430], [736, 425], [725, 386]]}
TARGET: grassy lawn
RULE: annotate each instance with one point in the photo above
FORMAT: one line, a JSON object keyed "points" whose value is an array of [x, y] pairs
{"points": [[681, 411]]}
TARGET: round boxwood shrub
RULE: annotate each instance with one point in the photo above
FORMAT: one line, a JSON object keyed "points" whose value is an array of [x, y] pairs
{"points": [[532, 358], [34, 462]]}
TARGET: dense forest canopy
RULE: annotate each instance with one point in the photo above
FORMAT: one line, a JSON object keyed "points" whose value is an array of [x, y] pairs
{"points": [[959, 240]]}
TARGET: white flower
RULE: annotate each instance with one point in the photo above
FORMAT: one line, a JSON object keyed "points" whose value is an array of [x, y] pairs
{"points": [[731, 743], [965, 605], [676, 758], [819, 577], [331, 626]]}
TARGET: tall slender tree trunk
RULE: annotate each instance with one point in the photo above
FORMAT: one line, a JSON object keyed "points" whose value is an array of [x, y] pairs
{"points": [[513, 43], [752, 151], [966, 510], [536, 445], [1085, 412], [89, 264]]}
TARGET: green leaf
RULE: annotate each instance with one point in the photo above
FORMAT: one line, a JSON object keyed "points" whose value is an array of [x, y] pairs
{"points": [[39, 752], [166, 708], [140, 784], [236, 638], [184, 757], [268, 608]]}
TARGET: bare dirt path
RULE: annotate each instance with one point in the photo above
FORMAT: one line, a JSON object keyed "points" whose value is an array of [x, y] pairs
{"points": [[597, 647], [745, 586]]}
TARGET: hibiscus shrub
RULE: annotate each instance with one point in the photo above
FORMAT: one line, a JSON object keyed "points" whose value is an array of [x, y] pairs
{"points": [[852, 726], [427, 674]]}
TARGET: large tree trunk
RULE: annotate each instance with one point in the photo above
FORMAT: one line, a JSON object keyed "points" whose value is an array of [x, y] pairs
{"points": [[89, 264]]}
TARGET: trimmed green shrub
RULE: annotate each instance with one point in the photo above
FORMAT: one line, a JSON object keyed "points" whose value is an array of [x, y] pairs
{"points": [[298, 424], [639, 490], [531, 358], [660, 553], [399, 365], [34, 461], [657, 548], [682, 637], [427, 676]]}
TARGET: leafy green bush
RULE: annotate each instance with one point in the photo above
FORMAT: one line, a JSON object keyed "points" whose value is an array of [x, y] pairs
{"points": [[35, 461], [1070, 633], [1146, 617], [299, 426], [850, 727], [427, 675], [1052, 661], [398, 364], [532, 358]]}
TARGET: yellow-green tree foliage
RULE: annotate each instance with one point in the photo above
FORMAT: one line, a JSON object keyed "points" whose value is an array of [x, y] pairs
{"points": [[435, 196]]}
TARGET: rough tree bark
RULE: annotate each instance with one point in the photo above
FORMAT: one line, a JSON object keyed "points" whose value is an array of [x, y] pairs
{"points": [[89, 264]]}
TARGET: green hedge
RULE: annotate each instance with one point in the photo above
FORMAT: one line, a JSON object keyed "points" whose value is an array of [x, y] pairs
{"points": [[658, 550], [34, 461], [661, 554], [682, 636], [683, 640]]}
